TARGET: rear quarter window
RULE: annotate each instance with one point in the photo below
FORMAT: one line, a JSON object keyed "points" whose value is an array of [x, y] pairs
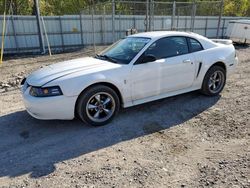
{"points": [[195, 45]]}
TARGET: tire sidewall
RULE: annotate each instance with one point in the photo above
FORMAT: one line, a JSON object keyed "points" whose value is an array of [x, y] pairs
{"points": [[205, 85], [84, 98]]}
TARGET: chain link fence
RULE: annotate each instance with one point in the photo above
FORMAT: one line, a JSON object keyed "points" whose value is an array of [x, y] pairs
{"points": [[111, 21], [107, 22]]}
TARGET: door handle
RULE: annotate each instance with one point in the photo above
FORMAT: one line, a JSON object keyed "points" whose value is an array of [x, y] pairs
{"points": [[187, 61]]}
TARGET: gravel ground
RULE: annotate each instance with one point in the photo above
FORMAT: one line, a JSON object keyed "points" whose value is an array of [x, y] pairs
{"points": [[185, 141]]}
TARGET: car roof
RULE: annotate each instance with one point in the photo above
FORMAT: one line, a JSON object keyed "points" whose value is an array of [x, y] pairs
{"points": [[160, 34], [155, 35]]}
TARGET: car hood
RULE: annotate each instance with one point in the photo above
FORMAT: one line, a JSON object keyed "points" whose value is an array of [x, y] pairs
{"points": [[55, 71]]}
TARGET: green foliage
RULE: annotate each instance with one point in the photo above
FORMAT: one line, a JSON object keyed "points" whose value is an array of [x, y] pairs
{"points": [[19, 6], [237, 8], [62, 7], [59, 7]]}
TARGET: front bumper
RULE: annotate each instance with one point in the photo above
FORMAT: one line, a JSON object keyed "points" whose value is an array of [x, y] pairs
{"points": [[48, 108]]}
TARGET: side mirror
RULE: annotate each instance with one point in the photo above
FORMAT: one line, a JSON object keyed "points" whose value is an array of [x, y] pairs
{"points": [[148, 58]]}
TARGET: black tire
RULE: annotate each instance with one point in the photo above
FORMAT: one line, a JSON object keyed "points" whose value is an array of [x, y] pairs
{"points": [[206, 88], [86, 115]]}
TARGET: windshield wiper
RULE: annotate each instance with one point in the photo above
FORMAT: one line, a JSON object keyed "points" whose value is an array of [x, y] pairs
{"points": [[106, 58]]}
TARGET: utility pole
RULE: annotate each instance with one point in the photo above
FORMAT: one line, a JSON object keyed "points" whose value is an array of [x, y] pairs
{"points": [[39, 28]]}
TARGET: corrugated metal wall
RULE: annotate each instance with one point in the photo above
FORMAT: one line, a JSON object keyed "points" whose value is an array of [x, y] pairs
{"points": [[74, 31]]}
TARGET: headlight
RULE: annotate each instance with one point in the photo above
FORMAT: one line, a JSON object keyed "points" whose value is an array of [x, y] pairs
{"points": [[45, 92]]}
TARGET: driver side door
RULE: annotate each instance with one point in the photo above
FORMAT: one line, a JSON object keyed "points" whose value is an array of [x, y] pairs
{"points": [[174, 69], [145, 80]]}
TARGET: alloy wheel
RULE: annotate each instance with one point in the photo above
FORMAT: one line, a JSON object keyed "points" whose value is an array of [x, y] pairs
{"points": [[100, 107], [216, 81]]}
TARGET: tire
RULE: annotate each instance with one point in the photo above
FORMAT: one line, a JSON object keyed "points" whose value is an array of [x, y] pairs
{"points": [[98, 105], [212, 85]]}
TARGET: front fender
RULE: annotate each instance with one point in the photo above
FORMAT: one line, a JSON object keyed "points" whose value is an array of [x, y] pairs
{"points": [[74, 86]]}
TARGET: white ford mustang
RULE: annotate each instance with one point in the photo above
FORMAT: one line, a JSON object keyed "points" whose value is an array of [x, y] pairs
{"points": [[138, 69]]}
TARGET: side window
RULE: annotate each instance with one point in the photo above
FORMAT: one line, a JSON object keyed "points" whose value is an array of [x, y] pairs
{"points": [[168, 47], [195, 45]]}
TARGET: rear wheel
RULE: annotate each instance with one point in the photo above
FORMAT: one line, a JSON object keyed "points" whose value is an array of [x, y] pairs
{"points": [[98, 105], [214, 81]]}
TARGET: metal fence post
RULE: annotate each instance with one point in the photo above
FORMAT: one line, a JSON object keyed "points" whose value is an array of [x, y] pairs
{"points": [[173, 16], [185, 23], [113, 20], [219, 21], [224, 20], [178, 17], [193, 15], [104, 24], [14, 32], [81, 28], [162, 23], [39, 28], [134, 22], [93, 28], [61, 32], [206, 27], [152, 15], [147, 12], [120, 25]]}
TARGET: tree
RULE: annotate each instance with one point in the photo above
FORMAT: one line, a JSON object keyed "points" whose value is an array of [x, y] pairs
{"points": [[62, 7], [237, 8], [19, 7]]}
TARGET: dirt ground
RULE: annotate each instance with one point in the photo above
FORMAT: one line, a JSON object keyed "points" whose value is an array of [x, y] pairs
{"points": [[185, 141]]}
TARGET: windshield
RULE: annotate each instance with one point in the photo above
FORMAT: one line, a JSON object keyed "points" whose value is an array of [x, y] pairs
{"points": [[124, 50]]}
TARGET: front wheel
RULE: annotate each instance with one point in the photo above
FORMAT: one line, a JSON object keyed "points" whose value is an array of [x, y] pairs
{"points": [[98, 105], [214, 81]]}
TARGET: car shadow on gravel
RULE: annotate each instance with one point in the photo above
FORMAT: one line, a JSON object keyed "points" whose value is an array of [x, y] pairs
{"points": [[30, 146]]}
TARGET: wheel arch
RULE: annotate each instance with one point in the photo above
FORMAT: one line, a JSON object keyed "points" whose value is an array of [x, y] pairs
{"points": [[208, 67], [220, 64], [108, 84]]}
